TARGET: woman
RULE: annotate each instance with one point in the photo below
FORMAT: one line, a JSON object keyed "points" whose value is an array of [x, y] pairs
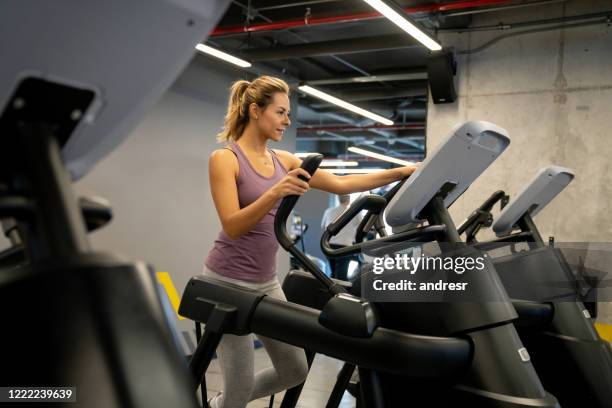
{"points": [[247, 181]]}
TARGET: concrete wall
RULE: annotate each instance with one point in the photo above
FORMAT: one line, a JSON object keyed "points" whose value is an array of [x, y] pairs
{"points": [[553, 92], [157, 181]]}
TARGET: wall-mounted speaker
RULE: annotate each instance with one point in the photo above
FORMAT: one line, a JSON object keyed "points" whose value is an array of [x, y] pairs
{"points": [[441, 70]]}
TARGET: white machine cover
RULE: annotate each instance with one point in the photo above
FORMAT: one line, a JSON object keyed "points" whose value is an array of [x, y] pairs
{"points": [[127, 52], [459, 159], [549, 182]]}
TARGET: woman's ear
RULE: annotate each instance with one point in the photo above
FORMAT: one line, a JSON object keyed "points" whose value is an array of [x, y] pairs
{"points": [[254, 111]]}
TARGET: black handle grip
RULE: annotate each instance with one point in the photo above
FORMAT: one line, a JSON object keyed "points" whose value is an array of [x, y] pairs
{"points": [[391, 193], [480, 216], [374, 204], [372, 218], [369, 221], [490, 202], [371, 203], [97, 212], [418, 235], [310, 164]]}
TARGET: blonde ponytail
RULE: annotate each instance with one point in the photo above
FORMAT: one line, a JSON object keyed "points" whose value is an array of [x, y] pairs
{"points": [[235, 119], [242, 95]]}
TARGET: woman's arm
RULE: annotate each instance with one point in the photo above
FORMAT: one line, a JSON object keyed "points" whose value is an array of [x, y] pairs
{"points": [[236, 221], [353, 183], [326, 181]]}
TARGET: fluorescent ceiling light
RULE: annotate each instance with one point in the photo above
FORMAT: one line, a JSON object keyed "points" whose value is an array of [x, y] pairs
{"points": [[338, 163], [398, 16], [222, 55], [379, 156], [355, 171], [304, 154], [343, 104]]}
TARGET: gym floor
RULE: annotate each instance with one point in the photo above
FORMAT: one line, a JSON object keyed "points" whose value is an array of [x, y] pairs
{"points": [[321, 380]]}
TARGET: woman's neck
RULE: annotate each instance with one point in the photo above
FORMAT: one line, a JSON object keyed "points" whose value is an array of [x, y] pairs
{"points": [[253, 142]]}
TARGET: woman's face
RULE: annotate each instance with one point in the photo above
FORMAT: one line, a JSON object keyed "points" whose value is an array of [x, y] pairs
{"points": [[273, 120]]}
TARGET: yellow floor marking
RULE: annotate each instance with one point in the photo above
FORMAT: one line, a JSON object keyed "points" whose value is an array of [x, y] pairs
{"points": [[164, 279], [604, 330]]}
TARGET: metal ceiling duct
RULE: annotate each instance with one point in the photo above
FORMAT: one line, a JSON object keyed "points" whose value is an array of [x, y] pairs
{"points": [[314, 21], [349, 46]]}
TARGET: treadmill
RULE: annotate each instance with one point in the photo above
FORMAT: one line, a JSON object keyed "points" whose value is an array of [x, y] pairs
{"points": [[572, 360], [500, 373], [76, 77]]}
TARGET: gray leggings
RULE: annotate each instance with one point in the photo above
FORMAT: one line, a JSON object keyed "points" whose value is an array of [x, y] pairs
{"points": [[236, 358]]}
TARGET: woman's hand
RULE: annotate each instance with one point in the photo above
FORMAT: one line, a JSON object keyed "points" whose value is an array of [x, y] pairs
{"points": [[291, 184], [406, 171]]}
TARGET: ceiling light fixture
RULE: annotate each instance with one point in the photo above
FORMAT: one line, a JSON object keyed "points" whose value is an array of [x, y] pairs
{"points": [[355, 171], [343, 104], [222, 55], [304, 154], [379, 156], [398, 16], [338, 163]]}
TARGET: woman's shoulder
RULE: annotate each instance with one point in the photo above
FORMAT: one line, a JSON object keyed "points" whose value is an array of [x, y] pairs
{"points": [[288, 159], [223, 153], [224, 158]]}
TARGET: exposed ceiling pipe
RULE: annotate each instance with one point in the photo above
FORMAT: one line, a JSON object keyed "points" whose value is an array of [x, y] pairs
{"points": [[597, 17], [340, 60], [257, 69], [416, 114], [461, 13], [604, 18], [377, 94], [392, 139], [332, 115], [420, 147], [418, 89], [502, 8], [352, 140], [378, 129], [312, 21], [350, 65], [358, 139], [403, 75], [412, 141], [360, 128], [251, 10], [348, 46], [336, 137], [411, 106], [298, 4], [312, 64], [413, 110]]}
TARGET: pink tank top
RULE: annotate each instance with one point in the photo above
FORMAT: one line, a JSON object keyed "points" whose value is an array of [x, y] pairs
{"points": [[252, 257]]}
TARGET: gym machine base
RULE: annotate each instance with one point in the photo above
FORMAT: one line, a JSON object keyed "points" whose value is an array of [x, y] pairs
{"points": [[572, 360], [73, 317], [347, 328], [500, 373]]}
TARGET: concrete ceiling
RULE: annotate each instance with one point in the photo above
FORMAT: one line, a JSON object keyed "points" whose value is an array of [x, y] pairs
{"points": [[344, 48]]}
